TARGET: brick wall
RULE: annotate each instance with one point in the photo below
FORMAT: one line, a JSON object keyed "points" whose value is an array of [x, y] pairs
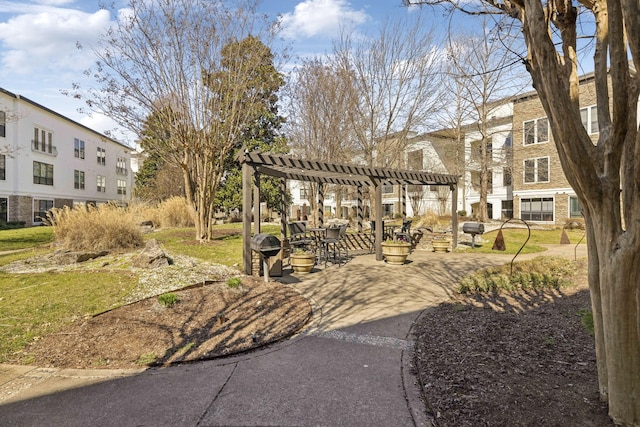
{"points": [[530, 108], [21, 209]]}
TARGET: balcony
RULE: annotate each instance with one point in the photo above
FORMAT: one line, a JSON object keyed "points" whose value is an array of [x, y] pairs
{"points": [[44, 148]]}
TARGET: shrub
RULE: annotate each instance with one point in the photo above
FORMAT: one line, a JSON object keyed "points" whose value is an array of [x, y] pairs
{"points": [[168, 299], [175, 212], [539, 273], [234, 282], [105, 227]]}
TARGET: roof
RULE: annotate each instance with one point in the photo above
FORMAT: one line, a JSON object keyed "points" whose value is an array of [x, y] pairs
{"points": [[339, 173], [48, 110]]}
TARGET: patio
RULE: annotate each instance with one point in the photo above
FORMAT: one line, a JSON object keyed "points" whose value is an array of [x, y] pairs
{"points": [[286, 168]]}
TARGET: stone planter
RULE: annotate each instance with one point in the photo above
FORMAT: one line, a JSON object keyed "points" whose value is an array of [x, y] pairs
{"points": [[302, 262], [395, 253], [441, 245]]}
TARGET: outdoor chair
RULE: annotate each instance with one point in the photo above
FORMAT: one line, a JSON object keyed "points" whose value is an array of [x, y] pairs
{"points": [[333, 244], [405, 232], [298, 238]]}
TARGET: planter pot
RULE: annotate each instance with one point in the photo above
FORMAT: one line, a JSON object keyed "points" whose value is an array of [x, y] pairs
{"points": [[302, 263], [441, 246], [395, 253]]}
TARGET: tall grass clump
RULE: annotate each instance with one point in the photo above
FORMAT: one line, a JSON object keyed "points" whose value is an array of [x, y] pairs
{"points": [[536, 274], [175, 213], [105, 227]]}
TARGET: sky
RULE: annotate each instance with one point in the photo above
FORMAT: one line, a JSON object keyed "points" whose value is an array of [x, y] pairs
{"points": [[39, 39], [39, 56]]}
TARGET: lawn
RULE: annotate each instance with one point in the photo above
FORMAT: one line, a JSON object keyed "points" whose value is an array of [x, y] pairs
{"points": [[515, 237], [21, 238], [36, 304]]}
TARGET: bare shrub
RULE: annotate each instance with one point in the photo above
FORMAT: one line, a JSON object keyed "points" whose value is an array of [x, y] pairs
{"points": [[429, 219], [175, 212], [105, 227]]}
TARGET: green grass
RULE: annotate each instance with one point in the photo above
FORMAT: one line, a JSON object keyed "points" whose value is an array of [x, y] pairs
{"points": [[225, 248], [515, 237], [21, 238], [33, 305]]}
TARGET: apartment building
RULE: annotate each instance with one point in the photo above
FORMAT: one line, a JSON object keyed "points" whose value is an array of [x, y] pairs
{"points": [[498, 137], [48, 160], [541, 192]]}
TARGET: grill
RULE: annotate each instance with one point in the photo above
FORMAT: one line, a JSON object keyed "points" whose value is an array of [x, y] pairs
{"points": [[267, 245], [473, 228]]}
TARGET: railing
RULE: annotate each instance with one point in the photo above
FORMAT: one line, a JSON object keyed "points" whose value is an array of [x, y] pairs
{"points": [[44, 148]]}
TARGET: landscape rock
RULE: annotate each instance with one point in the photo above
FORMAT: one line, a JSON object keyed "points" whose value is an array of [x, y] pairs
{"points": [[152, 256], [65, 257]]}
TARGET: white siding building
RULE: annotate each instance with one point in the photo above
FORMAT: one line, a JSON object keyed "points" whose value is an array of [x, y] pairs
{"points": [[499, 140], [48, 160]]}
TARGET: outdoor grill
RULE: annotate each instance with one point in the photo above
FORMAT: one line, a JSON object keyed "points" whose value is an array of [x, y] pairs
{"points": [[267, 245], [473, 228]]}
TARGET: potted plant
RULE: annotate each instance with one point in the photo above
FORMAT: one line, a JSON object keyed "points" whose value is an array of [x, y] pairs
{"points": [[395, 251], [441, 243], [302, 261]]}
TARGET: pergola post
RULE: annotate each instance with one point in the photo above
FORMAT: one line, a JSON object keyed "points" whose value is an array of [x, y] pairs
{"points": [[246, 218], [403, 201], [256, 203], [359, 209], [283, 208], [320, 205], [454, 215], [379, 227]]}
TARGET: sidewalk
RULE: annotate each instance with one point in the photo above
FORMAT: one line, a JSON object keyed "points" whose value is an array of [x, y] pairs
{"points": [[351, 366]]}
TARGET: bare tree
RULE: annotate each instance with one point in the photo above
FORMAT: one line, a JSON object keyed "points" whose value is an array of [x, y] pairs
{"points": [[395, 87], [202, 70], [604, 175], [318, 124], [483, 70]]}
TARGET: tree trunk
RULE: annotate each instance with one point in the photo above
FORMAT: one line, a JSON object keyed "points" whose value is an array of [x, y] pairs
{"points": [[614, 278]]}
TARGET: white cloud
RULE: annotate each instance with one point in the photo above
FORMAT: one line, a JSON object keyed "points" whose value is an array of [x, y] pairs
{"points": [[46, 40], [320, 17]]}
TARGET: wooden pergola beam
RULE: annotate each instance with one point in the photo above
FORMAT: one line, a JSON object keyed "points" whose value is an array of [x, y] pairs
{"points": [[287, 167]]}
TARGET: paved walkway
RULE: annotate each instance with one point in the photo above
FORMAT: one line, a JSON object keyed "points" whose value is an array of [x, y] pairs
{"points": [[351, 366]]}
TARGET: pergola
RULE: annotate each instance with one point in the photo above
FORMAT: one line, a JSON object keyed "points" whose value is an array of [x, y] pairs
{"points": [[255, 163]]}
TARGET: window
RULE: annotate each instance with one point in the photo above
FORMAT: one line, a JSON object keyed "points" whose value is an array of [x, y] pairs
{"points": [[537, 209], [475, 181], [304, 193], [387, 210], [78, 148], [42, 173], [3, 124], [536, 131], [589, 116], [42, 141], [122, 186], [476, 150], [3, 167], [102, 156], [40, 209], [387, 189], [506, 177], [575, 211], [415, 160], [78, 180], [121, 166], [507, 209], [101, 184], [536, 170], [4, 203]]}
